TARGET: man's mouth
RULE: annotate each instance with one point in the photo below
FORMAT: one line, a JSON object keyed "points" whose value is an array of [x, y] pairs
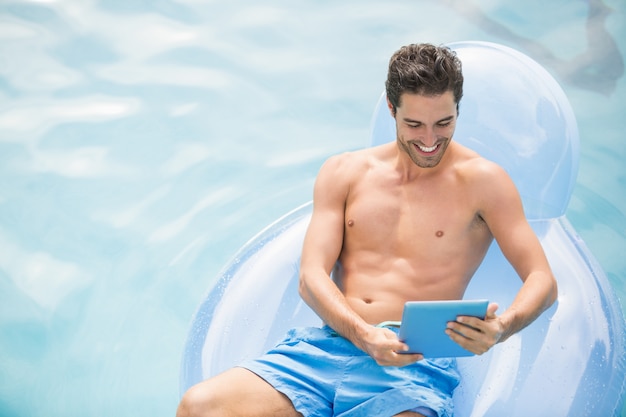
{"points": [[428, 149]]}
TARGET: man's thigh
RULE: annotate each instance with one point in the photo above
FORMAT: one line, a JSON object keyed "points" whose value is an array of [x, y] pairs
{"points": [[236, 392]]}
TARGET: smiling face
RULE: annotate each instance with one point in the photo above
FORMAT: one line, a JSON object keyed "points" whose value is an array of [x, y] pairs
{"points": [[425, 125]]}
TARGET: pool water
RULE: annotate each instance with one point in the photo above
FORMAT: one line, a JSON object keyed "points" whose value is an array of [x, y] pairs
{"points": [[142, 143]]}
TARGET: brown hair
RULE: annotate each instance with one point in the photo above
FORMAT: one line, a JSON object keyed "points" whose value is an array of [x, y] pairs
{"points": [[424, 69]]}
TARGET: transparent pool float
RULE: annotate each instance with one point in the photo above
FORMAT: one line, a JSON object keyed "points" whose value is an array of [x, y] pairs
{"points": [[569, 362]]}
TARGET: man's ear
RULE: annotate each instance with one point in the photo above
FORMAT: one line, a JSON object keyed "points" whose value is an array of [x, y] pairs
{"points": [[392, 109]]}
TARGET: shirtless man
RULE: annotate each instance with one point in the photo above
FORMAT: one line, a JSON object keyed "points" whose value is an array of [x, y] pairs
{"points": [[408, 220]]}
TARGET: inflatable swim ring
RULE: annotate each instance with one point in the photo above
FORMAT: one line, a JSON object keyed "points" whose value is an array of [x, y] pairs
{"points": [[569, 362]]}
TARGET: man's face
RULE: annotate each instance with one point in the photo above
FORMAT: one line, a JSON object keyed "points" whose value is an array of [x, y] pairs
{"points": [[425, 125]]}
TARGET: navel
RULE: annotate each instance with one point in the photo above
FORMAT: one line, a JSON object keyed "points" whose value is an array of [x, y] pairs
{"points": [[439, 233]]}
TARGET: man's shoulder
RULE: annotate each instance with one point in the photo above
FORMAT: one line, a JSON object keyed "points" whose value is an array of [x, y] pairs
{"points": [[473, 165], [486, 179], [357, 159]]}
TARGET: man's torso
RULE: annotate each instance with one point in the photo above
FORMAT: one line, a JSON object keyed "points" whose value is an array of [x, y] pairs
{"points": [[409, 239]]}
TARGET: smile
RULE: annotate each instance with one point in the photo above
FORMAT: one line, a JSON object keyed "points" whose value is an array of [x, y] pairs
{"points": [[427, 149]]}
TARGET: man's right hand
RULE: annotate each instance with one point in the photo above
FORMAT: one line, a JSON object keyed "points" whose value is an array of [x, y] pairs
{"points": [[386, 349]]}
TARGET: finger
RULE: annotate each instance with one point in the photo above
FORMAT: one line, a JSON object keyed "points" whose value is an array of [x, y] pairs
{"points": [[475, 322], [469, 329], [463, 323], [466, 343], [403, 359], [491, 311], [458, 338], [402, 348], [411, 357], [393, 358], [394, 343]]}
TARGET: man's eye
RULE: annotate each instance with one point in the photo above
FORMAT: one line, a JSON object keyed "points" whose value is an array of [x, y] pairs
{"points": [[445, 124]]}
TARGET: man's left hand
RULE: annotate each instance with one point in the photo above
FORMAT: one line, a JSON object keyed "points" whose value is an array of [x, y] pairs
{"points": [[474, 334]]}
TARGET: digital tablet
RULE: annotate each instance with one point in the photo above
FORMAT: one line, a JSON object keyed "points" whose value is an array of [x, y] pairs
{"points": [[424, 323]]}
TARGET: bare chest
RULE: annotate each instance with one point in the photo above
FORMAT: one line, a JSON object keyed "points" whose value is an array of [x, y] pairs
{"points": [[436, 220]]}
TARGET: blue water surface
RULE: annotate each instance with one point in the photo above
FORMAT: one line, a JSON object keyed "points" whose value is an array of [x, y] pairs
{"points": [[142, 143]]}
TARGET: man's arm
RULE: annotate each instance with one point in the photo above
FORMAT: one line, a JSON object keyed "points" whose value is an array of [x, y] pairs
{"points": [[321, 250], [503, 212]]}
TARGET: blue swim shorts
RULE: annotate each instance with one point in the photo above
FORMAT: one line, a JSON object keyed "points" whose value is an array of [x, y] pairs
{"points": [[324, 374]]}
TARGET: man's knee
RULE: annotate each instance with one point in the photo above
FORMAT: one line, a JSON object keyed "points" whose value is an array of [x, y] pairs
{"points": [[196, 402]]}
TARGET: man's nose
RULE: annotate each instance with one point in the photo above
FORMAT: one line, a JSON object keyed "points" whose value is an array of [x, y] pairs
{"points": [[429, 138]]}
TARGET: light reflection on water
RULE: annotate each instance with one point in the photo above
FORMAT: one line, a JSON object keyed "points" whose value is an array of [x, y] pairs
{"points": [[142, 145]]}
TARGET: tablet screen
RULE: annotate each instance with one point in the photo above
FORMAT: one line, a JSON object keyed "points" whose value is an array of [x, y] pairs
{"points": [[424, 324]]}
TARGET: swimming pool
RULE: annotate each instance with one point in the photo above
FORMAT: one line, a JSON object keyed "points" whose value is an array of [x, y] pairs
{"points": [[142, 143]]}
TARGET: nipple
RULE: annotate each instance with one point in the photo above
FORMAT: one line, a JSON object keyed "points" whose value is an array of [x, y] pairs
{"points": [[350, 222], [439, 233]]}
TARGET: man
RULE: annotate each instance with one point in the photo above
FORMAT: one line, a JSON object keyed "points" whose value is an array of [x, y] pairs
{"points": [[408, 220]]}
